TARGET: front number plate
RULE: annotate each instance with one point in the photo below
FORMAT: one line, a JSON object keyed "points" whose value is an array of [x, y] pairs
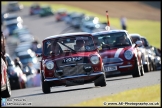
{"points": [[110, 68]]}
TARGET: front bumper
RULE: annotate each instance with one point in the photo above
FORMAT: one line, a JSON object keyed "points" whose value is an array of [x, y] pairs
{"points": [[63, 81]]}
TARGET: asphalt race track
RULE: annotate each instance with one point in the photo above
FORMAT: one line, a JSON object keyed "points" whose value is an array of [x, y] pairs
{"points": [[64, 96]]}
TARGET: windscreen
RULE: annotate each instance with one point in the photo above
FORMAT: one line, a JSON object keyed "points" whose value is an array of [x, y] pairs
{"points": [[68, 44], [112, 39]]}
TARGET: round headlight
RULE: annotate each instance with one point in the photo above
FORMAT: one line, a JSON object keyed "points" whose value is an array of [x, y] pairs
{"points": [[128, 54], [94, 59], [49, 65]]}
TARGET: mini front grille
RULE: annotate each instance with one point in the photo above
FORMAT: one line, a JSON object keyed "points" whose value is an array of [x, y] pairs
{"points": [[76, 70], [72, 68]]}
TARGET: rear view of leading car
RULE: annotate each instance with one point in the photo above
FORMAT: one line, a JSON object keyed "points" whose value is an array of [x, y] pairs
{"points": [[65, 62]]}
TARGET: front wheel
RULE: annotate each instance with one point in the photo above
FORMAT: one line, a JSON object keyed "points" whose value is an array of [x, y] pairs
{"points": [[7, 93], [45, 86], [136, 71], [154, 66], [151, 66], [142, 70], [146, 67], [100, 81]]}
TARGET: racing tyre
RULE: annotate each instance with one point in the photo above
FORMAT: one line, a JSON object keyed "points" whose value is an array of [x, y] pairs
{"points": [[146, 68], [15, 84], [151, 67], [136, 71], [142, 71], [154, 66], [100, 81], [7, 93], [45, 87]]}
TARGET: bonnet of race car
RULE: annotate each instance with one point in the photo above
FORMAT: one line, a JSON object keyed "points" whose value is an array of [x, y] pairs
{"points": [[115, 53]]}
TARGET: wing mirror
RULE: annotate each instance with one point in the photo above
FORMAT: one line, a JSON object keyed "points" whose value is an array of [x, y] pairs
{"points": [[139, 43]]}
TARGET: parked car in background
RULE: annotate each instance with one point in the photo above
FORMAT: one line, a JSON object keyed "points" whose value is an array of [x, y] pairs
{"points": [[67, 18], [91, 27], [14, 6], [90, 19], [145, 56], [76, 20], [99, 27], [2, 18], [28, 57], [60, 15], [23, 35], [119, 54], [66, 62], [29, 69], [12, 25], [46, 11], [150, 52], [157, 55], [26, 38], [16, 76], [36, 47], [12, 17], [23, 46], [90, 23], [5, 82], [157, 51], [21, 31], [39, 49], [34, 9]]}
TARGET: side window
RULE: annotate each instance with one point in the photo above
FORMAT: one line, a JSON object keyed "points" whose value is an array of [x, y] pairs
{"points": [[47, 47], [99, 41], [56, 48]]}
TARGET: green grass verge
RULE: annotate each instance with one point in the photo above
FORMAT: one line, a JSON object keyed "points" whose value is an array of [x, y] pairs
{"points": [[149, 95], [149, 29]]}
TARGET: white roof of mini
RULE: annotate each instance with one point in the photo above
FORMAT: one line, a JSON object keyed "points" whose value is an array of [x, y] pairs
{"points": [[67, 34], [134, 34], [110, 31]]}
